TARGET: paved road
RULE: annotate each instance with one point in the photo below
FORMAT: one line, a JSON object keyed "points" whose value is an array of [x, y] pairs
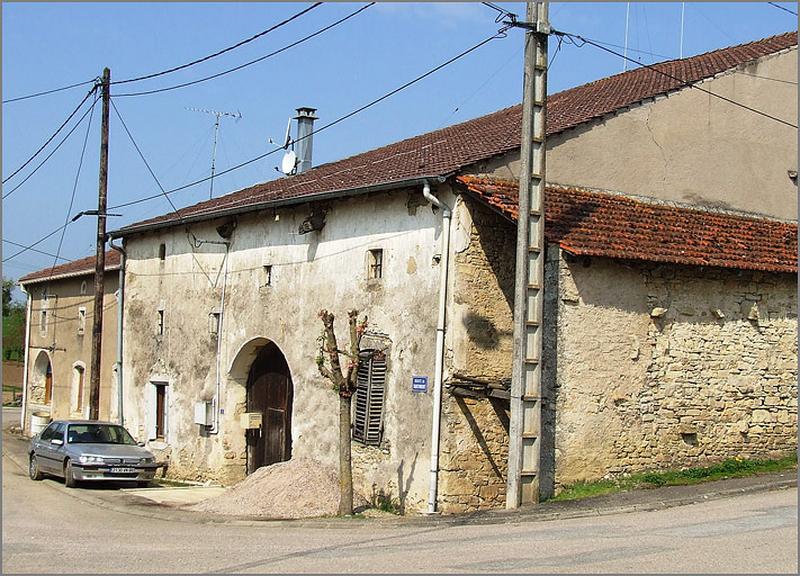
{"points": [[45, 530]]}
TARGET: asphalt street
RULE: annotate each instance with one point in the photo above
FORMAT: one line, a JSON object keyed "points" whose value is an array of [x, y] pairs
{"points": [[47, 530]]}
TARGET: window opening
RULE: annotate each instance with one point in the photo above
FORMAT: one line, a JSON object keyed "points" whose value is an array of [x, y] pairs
{"points": [[160, 329], [48, 384], [369, 398], [375, 266], [161, 411], [267, 275], [162, 252], [81, 321]]}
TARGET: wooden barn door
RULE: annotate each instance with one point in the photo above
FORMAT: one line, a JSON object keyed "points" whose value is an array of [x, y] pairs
{"points": [[269, 391]]}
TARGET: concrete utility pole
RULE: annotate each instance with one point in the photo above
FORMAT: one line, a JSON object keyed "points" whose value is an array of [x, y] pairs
{"points": [[100, 263], [526, 379]]}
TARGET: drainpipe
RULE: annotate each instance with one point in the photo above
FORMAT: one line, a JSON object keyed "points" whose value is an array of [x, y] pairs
{"points": [[440, 327], [26, 359], [120, 308], [215, 402]]}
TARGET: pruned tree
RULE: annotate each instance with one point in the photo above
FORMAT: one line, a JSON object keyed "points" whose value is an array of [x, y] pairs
{"points": [[344, 382]]}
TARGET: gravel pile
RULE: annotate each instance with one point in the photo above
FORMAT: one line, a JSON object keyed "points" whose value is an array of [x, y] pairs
{"points": [[299, 488]]}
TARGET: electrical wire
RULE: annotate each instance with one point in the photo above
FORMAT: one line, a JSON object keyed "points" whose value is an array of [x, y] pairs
{"points": [[72, 197], [46, 92], [683, 82], [42, 252], [27, 247], [29, 160], [499, 34], [246, 64], [223, 51], [782, 8], [53, 151]]}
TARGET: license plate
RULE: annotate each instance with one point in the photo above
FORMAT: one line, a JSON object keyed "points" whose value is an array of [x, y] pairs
{"points": [[123, 470]]}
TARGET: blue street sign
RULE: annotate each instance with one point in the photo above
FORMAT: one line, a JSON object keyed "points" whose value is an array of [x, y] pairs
{"points": [[419, 383]]}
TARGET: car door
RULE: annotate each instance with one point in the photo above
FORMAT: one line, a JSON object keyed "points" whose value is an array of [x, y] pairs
{"points": [[50, 459], [41, 447]]}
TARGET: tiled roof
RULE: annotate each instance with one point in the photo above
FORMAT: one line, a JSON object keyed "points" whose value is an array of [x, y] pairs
{"points": [[592, 223], [446, 151], [82, 267]]}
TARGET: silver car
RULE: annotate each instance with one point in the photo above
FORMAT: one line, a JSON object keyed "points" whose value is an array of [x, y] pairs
{"points": [[78, 450]]}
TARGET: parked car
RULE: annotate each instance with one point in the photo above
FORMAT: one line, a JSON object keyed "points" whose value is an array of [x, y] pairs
{"points": [[89, 450]]}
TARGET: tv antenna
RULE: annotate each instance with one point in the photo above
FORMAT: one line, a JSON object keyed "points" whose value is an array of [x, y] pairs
{"points": [[289, 160], [237, 115]]}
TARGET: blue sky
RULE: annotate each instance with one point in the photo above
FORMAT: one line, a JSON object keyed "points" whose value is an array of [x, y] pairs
{"points": [[51, 45]]}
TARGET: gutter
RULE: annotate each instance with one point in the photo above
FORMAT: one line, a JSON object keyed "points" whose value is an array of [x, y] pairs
{"points": [[76, 274], [440, 330], [293, 201], [120, 312]]}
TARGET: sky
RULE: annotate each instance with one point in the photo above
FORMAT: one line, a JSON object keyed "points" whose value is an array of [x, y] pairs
{"points": [[50, 45]]}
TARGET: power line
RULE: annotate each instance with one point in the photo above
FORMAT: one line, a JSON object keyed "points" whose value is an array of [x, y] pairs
{"points": [[42, 252], [72, 197], [46, 92], [53, 151], [223, 51], [499, 34], [246, 64], [782, 8], [29, 160], [683, 82], [25, 248]]}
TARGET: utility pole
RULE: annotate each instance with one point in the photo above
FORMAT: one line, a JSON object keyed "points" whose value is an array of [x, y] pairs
{"points": [[100, 263], [526, 378]]}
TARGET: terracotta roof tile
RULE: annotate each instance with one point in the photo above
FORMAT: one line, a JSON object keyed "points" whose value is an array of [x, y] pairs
{"points": [[84, 266], [446, 151], [591, 223]]}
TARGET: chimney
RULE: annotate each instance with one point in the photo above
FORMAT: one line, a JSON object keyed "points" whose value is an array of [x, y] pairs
{"points": [[305, 138]]}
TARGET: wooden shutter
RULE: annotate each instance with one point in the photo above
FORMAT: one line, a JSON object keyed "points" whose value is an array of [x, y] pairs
{"points": [[369, 398]]}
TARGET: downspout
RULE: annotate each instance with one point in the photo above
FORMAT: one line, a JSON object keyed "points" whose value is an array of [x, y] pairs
{"points": [[26, 359], [215, 403], [440, 328], [120, 311]]}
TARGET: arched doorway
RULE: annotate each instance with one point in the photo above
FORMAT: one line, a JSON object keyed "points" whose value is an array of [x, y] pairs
{"points": [[269, 392], [42, 391]]}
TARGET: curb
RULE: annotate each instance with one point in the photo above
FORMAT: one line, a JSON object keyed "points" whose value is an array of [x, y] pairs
{"points": [[137, 506]]}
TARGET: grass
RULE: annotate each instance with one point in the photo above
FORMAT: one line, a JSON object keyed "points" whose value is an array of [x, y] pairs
{"points": [[730, 468]]}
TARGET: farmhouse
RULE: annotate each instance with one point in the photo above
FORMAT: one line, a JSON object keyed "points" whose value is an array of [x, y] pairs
{"points": [[670, 289]]}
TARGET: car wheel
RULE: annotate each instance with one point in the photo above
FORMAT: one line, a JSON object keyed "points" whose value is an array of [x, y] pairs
{"points": [[69, 477], [33, 469]]}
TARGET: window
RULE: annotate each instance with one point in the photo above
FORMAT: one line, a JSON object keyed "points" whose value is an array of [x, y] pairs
{"points": [[375, 264], [267, 275], [78, 379], [158, 411], [43, 321], [160, 327], [48, 432], [370, 392], [162, 252], [81, 321], [213, 322], [83, 288], [58, 432]]}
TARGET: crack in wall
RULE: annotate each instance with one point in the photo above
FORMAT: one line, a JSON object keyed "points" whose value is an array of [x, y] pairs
{"points": [[660, 148]]}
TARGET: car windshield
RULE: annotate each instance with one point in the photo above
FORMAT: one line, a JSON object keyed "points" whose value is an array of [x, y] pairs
{"points": [[98, 434]]}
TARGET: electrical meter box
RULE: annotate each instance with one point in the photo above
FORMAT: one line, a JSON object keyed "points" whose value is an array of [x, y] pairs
{"points": [[203, 414], [250, 420]]}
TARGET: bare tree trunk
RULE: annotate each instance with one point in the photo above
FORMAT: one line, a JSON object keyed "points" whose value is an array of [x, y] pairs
{"points": [[345, 460]]}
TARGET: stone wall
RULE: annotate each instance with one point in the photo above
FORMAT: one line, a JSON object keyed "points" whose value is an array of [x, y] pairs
{"points": [[713, 377], [475, 430]]}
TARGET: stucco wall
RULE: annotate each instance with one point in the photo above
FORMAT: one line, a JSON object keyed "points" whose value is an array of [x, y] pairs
{"points": [[689, 146], [70, 347], [701, 383], [309, 272]]}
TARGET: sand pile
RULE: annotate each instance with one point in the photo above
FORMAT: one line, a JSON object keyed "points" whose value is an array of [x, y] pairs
{"points": [[299, 488]]}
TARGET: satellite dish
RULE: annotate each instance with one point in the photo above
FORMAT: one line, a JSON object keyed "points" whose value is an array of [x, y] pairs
{"points": [[289, 162]]}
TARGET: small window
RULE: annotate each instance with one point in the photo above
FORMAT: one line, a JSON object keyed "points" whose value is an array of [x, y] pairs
{"points": [[162, 252], [267, 275], [48, 432], [375, 264], [43, 322], [83, 288], [81, 321], [369, 397], [160, 327], [78, 379]]}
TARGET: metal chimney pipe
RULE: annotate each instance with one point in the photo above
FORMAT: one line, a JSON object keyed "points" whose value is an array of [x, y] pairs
{"points": [[305, 137]]}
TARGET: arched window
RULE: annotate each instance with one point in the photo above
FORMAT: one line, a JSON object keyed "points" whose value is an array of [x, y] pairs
{"points": [[78, 381]]}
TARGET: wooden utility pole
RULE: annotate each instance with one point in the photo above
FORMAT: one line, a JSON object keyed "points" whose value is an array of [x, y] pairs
{"points": [[100, 264], [526, 377]]}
